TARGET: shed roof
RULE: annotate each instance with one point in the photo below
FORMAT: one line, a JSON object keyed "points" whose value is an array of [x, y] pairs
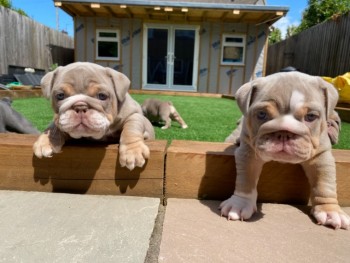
{"points": [[235, 11]]}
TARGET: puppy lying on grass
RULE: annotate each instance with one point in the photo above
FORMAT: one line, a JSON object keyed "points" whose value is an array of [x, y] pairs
{"points": [[12, 121], [162, 111]]}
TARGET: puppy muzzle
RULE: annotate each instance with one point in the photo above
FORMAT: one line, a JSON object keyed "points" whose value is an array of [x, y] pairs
{"points": [[80, 102], [83, 116]]}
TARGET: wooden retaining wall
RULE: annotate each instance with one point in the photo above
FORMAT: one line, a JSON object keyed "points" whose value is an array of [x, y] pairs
{"points": [[185, 169]]}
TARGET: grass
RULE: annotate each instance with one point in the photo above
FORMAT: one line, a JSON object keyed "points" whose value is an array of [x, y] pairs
{"points": [[37, 110], [209, 119]]}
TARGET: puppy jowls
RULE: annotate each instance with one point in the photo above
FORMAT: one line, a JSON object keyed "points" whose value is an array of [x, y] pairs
{"points": [[162, 111], [92, 101], [290, 118]]}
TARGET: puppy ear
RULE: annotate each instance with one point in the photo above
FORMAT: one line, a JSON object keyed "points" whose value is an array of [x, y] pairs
{"points": [[331, 99], [333, 127], [331, 96], [245, 95], [120, 81], [47, 81]]}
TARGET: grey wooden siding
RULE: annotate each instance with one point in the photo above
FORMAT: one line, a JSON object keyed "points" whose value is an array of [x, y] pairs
{"points": [[212, 77]]}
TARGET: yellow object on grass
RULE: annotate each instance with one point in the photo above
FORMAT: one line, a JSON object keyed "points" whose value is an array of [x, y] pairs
{"points": [[342, 84]]}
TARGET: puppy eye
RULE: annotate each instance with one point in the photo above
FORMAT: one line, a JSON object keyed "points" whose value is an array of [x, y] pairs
{"points": [[60, 96], [310, 117], [102, 96], [261, 115]]}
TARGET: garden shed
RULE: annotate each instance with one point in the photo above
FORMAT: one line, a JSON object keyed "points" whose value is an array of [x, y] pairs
{"points": [[195, 46]]}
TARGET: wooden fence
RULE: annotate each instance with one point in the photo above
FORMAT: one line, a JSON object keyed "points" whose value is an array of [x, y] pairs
{"points": [[322, 50], [26, 43]]}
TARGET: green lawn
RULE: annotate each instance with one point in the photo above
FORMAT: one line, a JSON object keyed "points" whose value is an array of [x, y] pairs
{"points": [[209, 119]]}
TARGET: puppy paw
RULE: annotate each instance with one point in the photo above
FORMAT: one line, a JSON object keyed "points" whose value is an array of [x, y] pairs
{"points": [[42, 147], [184, 126], [331, 215], [132, 155], [237, 207]]}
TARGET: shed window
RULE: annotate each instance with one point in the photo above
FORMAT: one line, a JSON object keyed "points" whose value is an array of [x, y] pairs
{"points": [[233, 49], [107, 44]]}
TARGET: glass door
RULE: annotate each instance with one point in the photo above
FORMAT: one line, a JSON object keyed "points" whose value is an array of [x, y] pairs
{"points": [[170, 59], [157, 52]]}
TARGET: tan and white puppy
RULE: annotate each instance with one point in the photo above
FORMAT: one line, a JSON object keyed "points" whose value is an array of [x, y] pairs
{"points": [[286, 119], [92, 101], [162, 111]]}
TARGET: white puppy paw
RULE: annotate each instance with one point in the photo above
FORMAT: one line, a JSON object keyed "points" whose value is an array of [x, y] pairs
{"points": [[331, 215], [132, 155], [237, 207], [43, 148]]}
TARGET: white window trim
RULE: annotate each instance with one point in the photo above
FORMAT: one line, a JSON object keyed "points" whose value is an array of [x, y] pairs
{"points": [[228, 44], [109, 39]]}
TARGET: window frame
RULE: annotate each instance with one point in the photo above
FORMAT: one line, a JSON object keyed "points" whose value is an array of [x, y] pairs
{"points": [[225, 43], [107, 39]]}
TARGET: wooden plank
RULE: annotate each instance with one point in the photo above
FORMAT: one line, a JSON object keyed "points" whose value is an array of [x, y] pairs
{"points": [[199, 170], [342, 159], [176, 93], [81, 168], [204, 170], [207, 171], [15, 94]]}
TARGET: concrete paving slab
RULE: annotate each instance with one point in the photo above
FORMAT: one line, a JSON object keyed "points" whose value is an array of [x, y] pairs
{"points": [[193, 231], [53, 227]]}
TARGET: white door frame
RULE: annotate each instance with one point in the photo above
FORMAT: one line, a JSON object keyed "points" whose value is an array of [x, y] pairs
{"points": [[170, 58]]}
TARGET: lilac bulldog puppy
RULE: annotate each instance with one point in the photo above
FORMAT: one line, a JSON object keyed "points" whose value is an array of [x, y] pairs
{"points": [[289, 118], [92, 101], [162, 111]]}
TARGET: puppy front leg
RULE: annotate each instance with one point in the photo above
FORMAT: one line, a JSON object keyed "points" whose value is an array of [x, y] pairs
{"points": [[132, 149], [321, 174], [242, 204], [49, 142]]}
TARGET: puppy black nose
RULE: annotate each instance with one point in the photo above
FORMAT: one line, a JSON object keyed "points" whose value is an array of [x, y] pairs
{"points": [[80, 107]]}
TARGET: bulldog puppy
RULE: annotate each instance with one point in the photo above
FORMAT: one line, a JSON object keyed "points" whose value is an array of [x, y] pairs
{"points": [[285, 120], [13, 121], [162, 111], [92, 101]]}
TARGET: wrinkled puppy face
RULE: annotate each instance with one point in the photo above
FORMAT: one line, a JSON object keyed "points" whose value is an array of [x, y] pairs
{"points": [[84, 99], [286, 116]]}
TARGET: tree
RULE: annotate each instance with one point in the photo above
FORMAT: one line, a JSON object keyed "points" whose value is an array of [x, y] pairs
{"points": [[321, 10], [275, 35], [8, 4], [291, 30]]}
